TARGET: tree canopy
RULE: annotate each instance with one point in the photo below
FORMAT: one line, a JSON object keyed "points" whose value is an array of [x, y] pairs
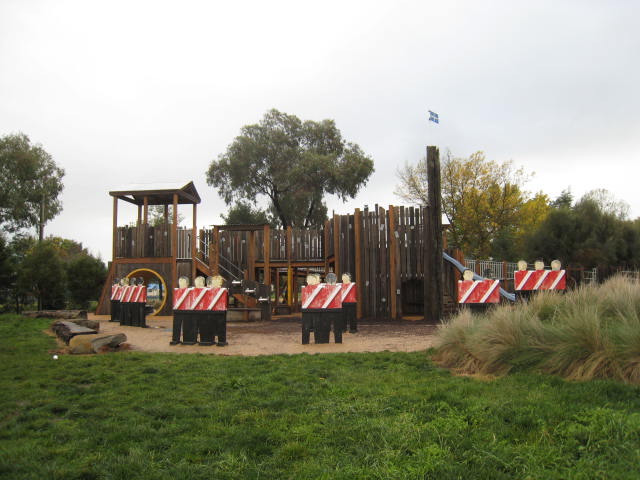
{"points": [[59, 272], [28, 176], [483, 200], [242, 213], [293, 165], [591, 233]]}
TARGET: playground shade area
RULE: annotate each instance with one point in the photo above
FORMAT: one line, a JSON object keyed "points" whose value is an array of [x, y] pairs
{"points": [[277, 337]]}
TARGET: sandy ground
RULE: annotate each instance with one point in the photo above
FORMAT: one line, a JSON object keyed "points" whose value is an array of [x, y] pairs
{"points": [[276, 337]]}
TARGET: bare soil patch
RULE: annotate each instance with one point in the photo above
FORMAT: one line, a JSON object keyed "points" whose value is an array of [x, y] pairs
{"points": [[279, 336]]}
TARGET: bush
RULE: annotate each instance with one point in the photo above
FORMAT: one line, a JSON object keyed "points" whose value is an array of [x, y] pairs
{"points": [[592, 332]]}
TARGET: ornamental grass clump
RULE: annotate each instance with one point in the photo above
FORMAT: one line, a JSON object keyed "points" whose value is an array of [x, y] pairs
{"points": [[589, 333], [455, 341]]}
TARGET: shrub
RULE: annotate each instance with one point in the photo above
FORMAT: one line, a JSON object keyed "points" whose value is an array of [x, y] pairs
{"points": [[591, 332]]}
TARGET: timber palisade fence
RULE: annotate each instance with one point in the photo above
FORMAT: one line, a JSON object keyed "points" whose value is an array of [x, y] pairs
{"points": [[382, 249]]}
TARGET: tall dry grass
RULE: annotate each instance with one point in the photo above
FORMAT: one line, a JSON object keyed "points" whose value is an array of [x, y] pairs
{"points": [[591, 332]]}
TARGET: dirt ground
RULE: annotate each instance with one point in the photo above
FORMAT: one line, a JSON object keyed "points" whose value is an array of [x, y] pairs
{"points": [[276, 337]]}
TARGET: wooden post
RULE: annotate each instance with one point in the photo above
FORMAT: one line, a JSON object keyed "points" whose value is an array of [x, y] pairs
{"points": [[357, 223], [393, 281], [115, 229], [289, 270], [145, 213], [174, 244], [139, 221], [325, 234], [433, 263], [267, 254], [214, 252], [194, 244], [251, 255], [336, 245]]}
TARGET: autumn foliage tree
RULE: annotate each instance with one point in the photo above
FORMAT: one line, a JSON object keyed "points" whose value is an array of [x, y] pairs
{"points": [[484, 201], [293, 165]]}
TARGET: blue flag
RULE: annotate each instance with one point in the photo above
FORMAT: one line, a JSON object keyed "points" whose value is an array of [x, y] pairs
{"points": [[433, 117]]}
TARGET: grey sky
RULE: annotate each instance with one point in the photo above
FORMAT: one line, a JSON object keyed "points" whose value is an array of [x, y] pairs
{"points": [[131, 92]]}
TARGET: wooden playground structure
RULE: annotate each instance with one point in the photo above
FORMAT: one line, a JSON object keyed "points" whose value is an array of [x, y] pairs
{"points": [[394, 255]]}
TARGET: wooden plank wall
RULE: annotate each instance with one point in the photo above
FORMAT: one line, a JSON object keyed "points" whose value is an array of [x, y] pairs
{"points": [[143, 241], [391, 256], [390, 252]]}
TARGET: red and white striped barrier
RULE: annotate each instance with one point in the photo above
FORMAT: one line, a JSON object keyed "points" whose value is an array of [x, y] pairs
{"points": [[312, 297], [181, 298], [139, 294], [321, 296], [209, 299], [127, 293], [115, 292], [532, 280], [478, 291], [332, 296], [348, 293]]}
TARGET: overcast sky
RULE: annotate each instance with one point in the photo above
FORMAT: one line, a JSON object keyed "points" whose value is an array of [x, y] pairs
{"points": [[132, 91]]}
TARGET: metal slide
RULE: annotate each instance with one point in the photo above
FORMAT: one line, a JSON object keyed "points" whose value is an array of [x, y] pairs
{"points": [[509, 296]]}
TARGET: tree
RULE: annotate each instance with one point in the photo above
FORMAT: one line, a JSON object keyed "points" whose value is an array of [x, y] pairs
{"points": [[7, 271], [31, 184], [42, 274], [564, 200], [607, 203], [156, 215], [291, 163], [19, 247], [85, 277], [483, 200], [242, 213], [590, 233], [85, 273]]}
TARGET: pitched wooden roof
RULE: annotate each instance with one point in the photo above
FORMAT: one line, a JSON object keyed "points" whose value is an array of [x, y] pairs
{"points": [[158, 193]]}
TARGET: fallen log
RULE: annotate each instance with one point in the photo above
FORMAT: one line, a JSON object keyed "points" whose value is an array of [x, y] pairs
{"points": [[57, 314], [67, 330]]}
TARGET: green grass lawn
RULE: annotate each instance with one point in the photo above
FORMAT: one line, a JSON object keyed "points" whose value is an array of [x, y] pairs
{"points": [[357, 416]]}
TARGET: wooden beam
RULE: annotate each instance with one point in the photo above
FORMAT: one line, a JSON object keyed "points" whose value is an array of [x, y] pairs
{"points": [[336, 245], [393, 281], [126, 199], [289, 270], [267, 254], [145, 219], [174, 243], [194, 244], [144, 260], [293, 263], [251, 255], [357, 224], [214, 252], [115, 227], [433, 263], [326, 246]]}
